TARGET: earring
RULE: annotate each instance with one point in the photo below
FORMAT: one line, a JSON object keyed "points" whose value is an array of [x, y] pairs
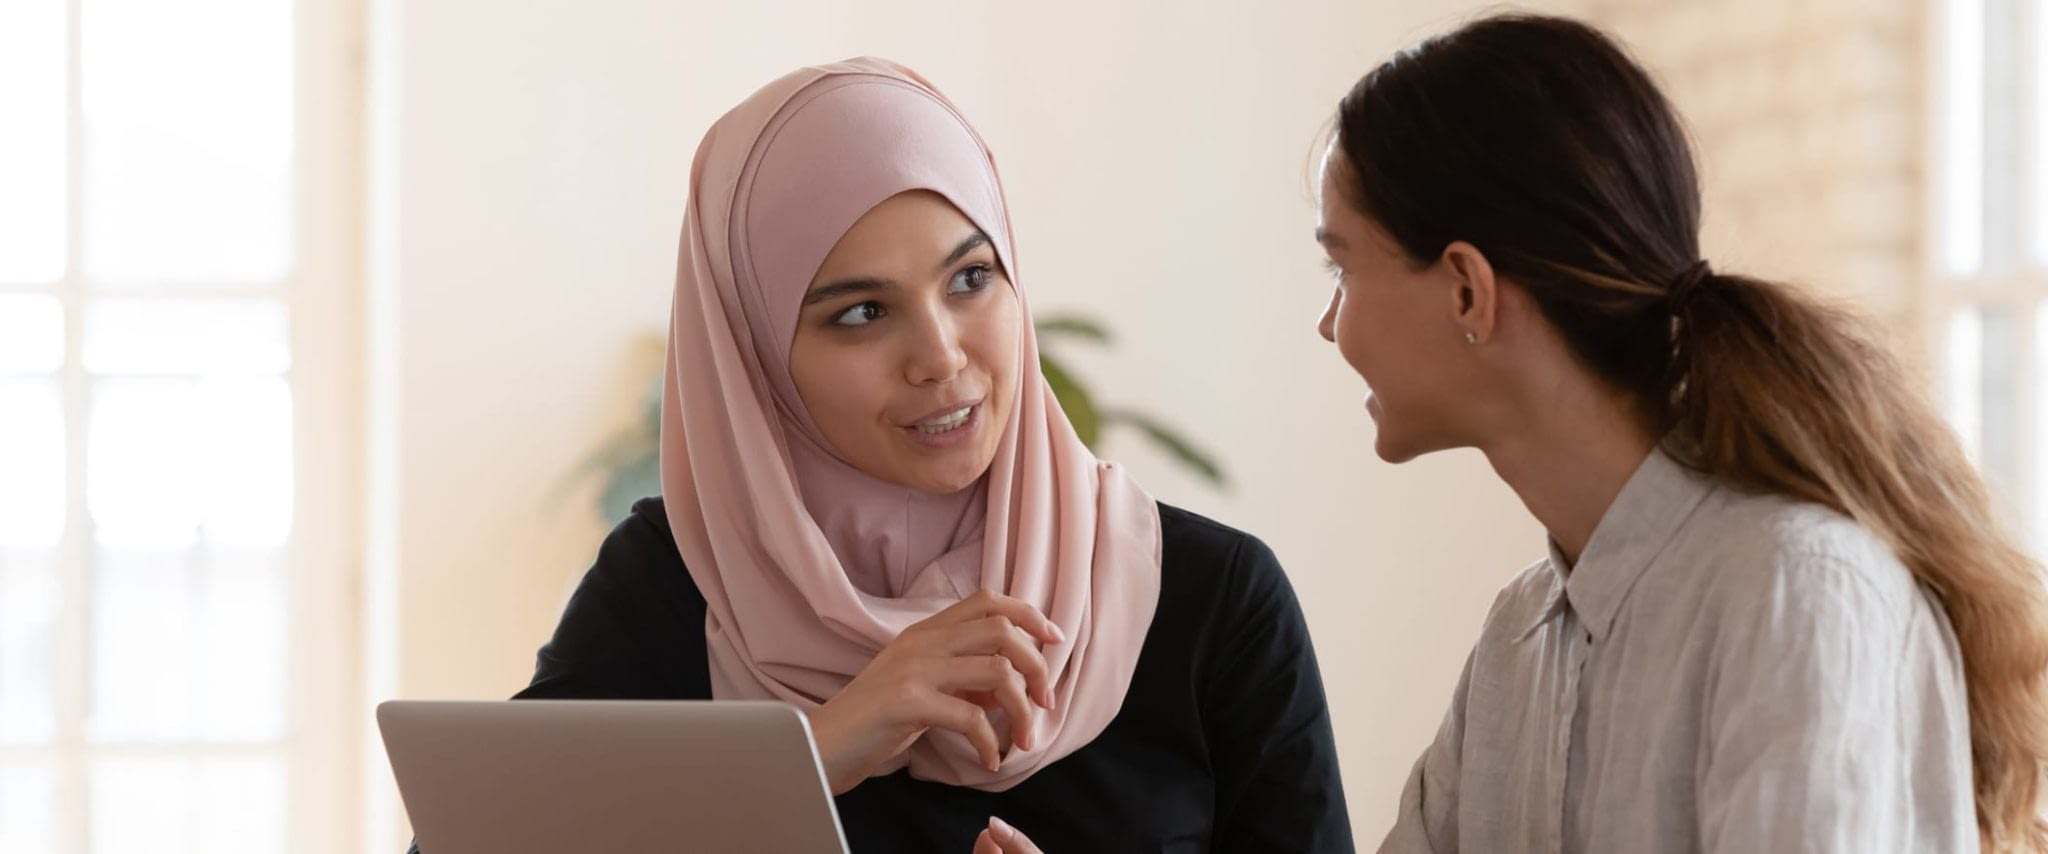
{"points": [[1471, 338]]}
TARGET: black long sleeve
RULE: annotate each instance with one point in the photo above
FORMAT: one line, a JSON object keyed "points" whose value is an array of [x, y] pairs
{"points": [[1223, 742], [1266, 720]]}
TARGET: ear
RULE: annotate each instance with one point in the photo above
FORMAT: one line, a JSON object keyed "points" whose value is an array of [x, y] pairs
{"points": [[1475, 295]]}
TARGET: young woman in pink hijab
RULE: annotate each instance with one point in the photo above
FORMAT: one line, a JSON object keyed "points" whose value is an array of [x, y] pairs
{"points": [[873, 508]]}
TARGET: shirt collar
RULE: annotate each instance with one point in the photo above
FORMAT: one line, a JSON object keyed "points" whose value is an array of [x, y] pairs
{"points": [[1645, 516]]}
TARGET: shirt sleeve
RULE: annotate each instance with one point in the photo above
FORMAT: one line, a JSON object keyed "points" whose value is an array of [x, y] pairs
{"points": [[1832, 720], [1426, 822], [1267, 721]]}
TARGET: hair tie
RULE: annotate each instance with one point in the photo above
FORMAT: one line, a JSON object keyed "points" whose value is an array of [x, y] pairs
{"points": [[1684, 288]]}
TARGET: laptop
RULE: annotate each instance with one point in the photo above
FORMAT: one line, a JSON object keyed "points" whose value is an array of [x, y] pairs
{"points": [[549, 776]]}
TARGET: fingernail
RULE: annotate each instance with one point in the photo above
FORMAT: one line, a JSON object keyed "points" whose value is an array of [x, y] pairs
{"points": [[1059, 635], [1002, 828]]}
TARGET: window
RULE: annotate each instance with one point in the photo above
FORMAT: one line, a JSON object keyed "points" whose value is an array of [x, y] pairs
{"points": [[174, 291], [1989, 299]]}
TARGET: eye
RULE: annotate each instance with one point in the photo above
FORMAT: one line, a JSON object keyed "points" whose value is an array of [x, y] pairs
{"points": [[1330, 264], [971, 279], [860, 315]]}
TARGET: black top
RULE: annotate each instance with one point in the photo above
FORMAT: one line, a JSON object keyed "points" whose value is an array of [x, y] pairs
{"points": [[1223, 742]]}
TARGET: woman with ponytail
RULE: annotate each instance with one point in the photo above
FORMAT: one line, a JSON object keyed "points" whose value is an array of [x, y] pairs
{"points": [[1778, 612]]}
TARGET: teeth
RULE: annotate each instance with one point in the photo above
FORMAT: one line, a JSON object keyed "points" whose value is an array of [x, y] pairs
{"points": [[945, 422]]}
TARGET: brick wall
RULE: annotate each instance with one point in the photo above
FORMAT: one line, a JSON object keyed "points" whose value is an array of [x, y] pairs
{"points": [[1808, 117]]}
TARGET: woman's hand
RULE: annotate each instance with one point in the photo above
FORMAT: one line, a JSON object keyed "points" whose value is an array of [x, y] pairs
{"points": [[1001, 838], [946, 672]]}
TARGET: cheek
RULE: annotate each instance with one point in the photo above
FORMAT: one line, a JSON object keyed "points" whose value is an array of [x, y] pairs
{"points": [[1361, 330], [840, 390], [996, 336]]}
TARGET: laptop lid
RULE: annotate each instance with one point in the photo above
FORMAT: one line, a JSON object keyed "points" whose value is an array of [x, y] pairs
{"points": [[548, 776]]}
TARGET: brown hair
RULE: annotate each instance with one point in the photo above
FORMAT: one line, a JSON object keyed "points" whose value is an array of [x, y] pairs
{"points": [[1540, 142]]}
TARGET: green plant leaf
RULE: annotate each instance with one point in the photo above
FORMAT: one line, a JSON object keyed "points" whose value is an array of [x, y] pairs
{"points": [[636, 478], [609, 458], [1173, 442], [1072, 326], [650, 408], [1073, 397]]}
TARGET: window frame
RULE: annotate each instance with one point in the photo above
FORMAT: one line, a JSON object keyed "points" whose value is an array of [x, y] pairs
{"points": [[2019, 287], [321, 293]]}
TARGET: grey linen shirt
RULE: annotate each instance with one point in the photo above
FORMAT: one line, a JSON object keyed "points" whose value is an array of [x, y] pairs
{"points": [[1721, 672]]}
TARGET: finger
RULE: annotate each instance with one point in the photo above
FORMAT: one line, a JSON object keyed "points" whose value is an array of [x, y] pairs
{"points": [[1009, 839], [983, 844], [997, 635], [965, 718], [992, 674], [987, 603]]}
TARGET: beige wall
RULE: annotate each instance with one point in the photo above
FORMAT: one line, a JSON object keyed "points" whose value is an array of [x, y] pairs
{"points": [[528, 162]]}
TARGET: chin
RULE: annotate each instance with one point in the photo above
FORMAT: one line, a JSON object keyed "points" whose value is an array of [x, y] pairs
{"points": [[1395, 446], [1392, 453]]}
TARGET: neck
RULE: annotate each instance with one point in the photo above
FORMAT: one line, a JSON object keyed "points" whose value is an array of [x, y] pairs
{"points": [[1567, 452]]}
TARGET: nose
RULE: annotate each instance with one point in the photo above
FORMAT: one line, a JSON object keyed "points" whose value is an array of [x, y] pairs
{"points": [[935, 356], [1327, 324]]}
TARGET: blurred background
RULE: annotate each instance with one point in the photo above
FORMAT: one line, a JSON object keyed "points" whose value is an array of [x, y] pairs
{"points": [[311, 311]]}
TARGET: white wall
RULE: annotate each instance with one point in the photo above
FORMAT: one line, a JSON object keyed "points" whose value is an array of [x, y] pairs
{"points": [[528, 164]]}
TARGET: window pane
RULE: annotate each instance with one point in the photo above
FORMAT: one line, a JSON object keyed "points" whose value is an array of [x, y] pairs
{"points": [[174, 336], [143, 650], [28, 640], [242, 641], [219, 806], [241, 806], [1983, 393], [188, 646], [28, 809], [167, 457], [141, 805], [2039, 149], [2039, 528], [32, 487], [188, 135], [33, 150], [143, 473], [31, 331], [247, 493], [1962, 172], [1962, 381]]}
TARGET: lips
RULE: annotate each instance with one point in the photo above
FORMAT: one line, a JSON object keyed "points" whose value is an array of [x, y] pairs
{"points": [[949, 415], [953, 427], [945, 423]]}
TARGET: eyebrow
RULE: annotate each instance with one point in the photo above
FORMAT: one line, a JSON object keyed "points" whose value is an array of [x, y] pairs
{"points": [[850, 287], [845, 287], [978, 239]]}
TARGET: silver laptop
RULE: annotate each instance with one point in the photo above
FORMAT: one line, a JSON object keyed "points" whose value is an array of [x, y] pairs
{"points": [[552, 776]]}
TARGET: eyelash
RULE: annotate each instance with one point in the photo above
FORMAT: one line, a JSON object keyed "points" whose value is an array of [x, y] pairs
{"points": [[982, 276], [1330, 264]]}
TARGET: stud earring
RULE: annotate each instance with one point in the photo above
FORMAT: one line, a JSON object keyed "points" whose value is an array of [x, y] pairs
{"points": [[1471, 338]]}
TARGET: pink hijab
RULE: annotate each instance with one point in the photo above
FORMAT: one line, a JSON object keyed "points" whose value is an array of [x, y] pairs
{"points": [[811, 567]]}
